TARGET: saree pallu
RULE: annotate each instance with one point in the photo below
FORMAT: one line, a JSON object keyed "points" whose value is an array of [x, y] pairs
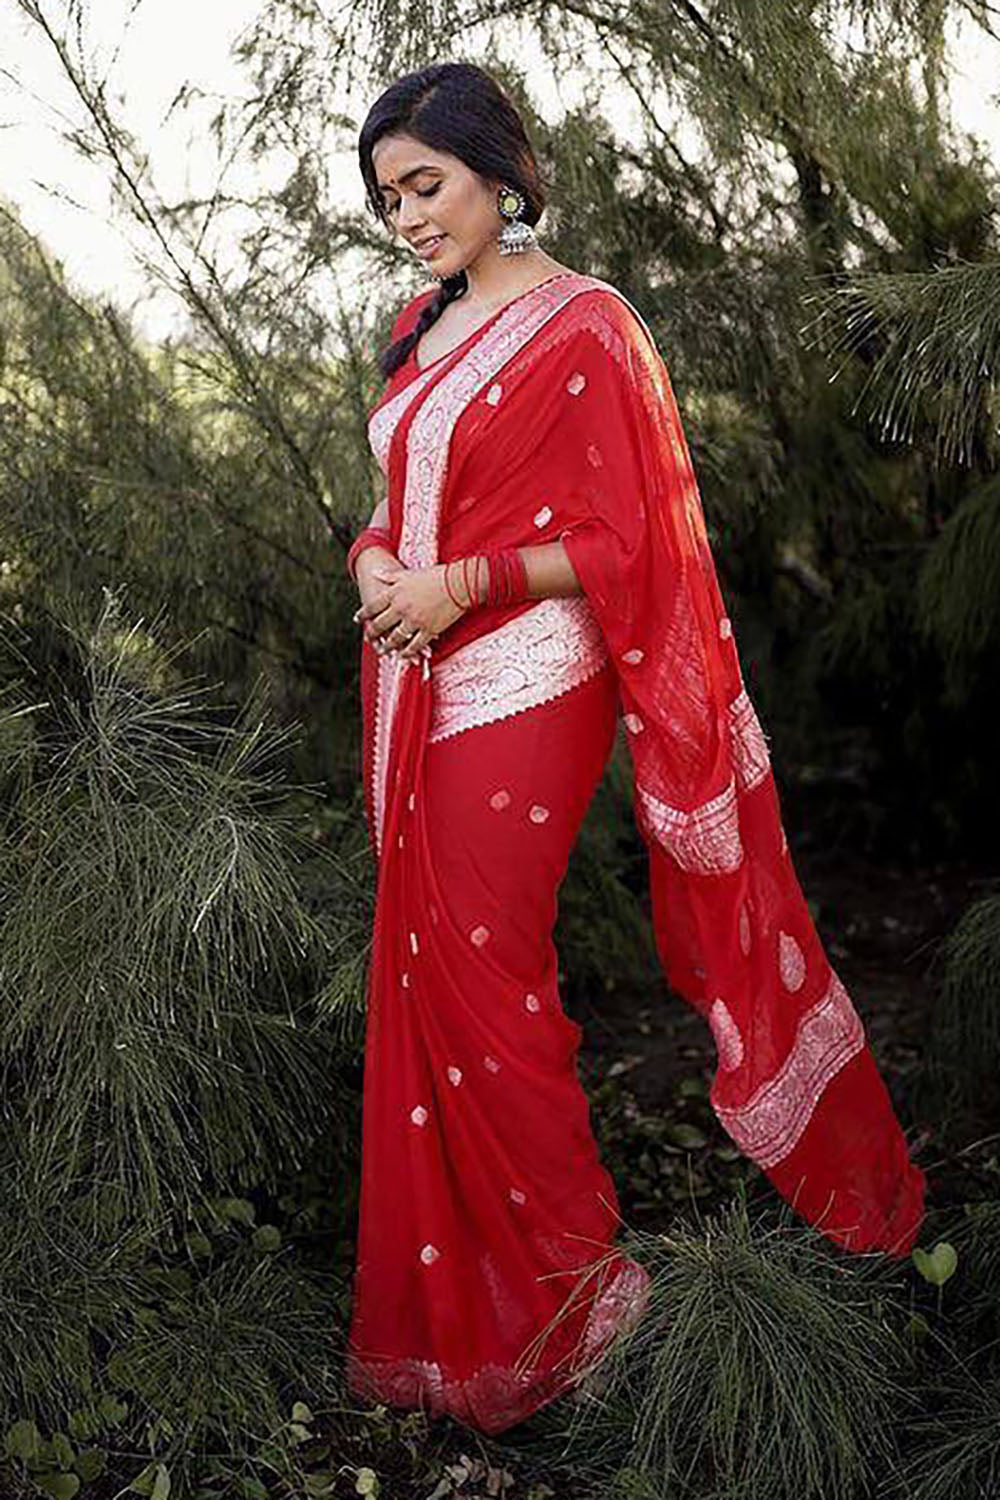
{"points": [[487, 1275]]}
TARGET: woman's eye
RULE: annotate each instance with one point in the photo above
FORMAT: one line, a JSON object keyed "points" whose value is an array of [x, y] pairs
{"points": [[427, 193]]}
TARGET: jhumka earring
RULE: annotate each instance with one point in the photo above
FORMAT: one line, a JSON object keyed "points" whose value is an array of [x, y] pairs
{"points": [[515, 235]]}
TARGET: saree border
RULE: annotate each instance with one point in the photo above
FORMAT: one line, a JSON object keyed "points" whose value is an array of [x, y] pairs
{"points": [[545, 651], [770, 1123]]}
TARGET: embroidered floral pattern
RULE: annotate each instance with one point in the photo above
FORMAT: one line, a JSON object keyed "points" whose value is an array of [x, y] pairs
{"points": [[728, 1041], [791, 962], [540, 654], [750, 758], [705, 840], [768, 1125]]}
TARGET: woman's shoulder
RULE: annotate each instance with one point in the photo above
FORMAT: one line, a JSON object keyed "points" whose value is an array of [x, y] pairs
{"points": [[598, 309]]}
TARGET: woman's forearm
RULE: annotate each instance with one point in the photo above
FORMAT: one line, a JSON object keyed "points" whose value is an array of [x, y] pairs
{"points": [[548, 571]]}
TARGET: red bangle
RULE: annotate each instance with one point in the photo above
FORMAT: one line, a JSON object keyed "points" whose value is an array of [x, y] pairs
{"points": [[447, 583], [371, 536], [508, 582]]}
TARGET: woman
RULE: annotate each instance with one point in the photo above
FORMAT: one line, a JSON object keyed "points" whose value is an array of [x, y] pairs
{"points": [[541, 562]]}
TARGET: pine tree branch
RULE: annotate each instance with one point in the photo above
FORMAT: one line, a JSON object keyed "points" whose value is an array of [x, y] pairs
{"points": [[211, 312]]}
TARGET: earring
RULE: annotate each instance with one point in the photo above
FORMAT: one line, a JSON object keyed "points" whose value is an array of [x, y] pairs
{"points": [[515, 235]]}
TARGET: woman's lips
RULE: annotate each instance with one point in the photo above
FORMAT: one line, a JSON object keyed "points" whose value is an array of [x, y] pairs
{"points": [[431, 248]]}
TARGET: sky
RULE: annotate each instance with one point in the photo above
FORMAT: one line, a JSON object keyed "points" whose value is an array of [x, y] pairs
{"points": [[67, 202]]}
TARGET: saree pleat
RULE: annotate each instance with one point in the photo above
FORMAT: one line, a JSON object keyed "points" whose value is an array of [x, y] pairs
{"points": [[487, 1275]]}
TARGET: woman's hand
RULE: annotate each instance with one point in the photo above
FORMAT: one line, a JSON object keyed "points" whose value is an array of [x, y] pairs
{"points": [[412, 608]]}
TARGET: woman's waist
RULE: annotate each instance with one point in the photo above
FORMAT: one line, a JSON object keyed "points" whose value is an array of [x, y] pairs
{"points": [[546, 648]]}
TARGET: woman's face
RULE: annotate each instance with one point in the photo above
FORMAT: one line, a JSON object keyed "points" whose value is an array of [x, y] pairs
{"points": [[431, 193]]}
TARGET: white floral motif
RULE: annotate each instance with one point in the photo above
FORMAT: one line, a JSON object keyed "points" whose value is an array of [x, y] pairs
{"points": [[516, 1196], [633, 723], [494, 393], [553, 646], [538, 813], [405, 980], [634, 656], [491, 1064], [725, 627], [532, 1003], [594, 456], [576, 382], [412, 800], [480, 935], [744, 929], [414, 945], [429, 1254], [727, 1036], [500, 800], [454, 1076], [543, 517], [791, 962], [419, 1115], [400, 841]]}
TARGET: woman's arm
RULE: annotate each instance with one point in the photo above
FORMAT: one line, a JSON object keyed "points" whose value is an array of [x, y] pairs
{"points": [[549, 571]]}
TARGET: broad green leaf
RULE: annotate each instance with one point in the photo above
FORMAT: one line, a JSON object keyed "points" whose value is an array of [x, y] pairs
{"points": [[938, 1265]]}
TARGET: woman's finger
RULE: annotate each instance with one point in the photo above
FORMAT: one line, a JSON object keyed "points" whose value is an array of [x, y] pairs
{"points": [[414, 645]]}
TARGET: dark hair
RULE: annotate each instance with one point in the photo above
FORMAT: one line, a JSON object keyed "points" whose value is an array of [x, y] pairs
{"points": [[458, 108]]}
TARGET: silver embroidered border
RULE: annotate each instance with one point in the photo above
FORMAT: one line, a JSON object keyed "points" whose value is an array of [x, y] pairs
{"points": [[749, 747], [540, 654], [383, 421], [704, 841], [770, 1123]]}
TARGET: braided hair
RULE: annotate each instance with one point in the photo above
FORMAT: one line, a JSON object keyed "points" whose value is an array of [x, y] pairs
{"points": [[457, 108]]}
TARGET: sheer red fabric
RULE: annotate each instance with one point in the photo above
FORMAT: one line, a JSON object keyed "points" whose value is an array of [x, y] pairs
{"points": [[487, 1275]]}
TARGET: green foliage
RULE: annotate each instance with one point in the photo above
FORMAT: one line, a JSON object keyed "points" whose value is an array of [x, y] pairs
{"points": [[955, 1448], [964, 1043], [158, 962], [763, 1365], [958, 590]]}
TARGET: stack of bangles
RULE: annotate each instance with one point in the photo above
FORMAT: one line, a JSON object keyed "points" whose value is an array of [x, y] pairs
{"points": [[507, 578]]}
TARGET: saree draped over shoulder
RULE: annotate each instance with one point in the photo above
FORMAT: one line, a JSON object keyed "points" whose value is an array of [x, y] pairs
{"points": [[487, 1275]]}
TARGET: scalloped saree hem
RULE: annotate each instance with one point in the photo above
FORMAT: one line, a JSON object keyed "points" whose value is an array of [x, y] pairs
{"points": [[495, 1397]]}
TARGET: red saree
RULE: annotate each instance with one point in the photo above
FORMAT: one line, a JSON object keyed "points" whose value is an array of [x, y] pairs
{"points": [[486, 1216]]}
